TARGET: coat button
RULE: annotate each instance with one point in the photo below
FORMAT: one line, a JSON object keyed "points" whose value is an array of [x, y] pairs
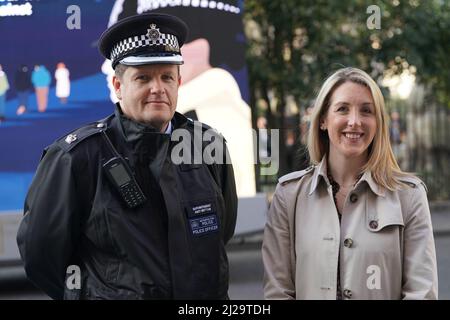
{"points": [[353, 198], [348, 242], [347, 293], [373, 224]]}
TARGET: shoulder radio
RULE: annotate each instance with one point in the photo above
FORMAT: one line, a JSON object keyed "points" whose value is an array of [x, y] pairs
{"points": [[122, 178]]}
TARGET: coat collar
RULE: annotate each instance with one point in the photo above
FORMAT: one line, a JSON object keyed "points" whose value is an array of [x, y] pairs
{"points": [[144, 144], [376, 188], [133, 131], [320, 172]]}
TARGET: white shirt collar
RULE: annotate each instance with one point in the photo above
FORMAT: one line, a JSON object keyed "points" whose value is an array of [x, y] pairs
{"points": [[169, 128]]}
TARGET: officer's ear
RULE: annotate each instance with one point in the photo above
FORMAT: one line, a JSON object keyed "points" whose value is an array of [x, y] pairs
{"points": [[179, 75], [117, 84]]}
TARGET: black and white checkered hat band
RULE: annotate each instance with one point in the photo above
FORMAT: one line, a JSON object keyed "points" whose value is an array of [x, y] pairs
{"points": [[169, 41]]}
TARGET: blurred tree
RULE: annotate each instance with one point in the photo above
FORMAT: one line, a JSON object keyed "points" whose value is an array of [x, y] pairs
{"points": [[294, 45]]}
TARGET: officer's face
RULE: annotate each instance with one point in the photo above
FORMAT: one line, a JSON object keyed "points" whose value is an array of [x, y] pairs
{"points": [[149, 93]]}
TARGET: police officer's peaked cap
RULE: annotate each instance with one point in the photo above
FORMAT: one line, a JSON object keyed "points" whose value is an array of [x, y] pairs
{"points": [[150, 38]]}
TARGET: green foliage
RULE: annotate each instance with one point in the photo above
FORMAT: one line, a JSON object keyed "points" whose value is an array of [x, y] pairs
{"points": [[298, 43]]}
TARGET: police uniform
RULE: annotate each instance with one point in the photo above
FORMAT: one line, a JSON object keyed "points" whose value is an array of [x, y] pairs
{"points": [[172, 245]]}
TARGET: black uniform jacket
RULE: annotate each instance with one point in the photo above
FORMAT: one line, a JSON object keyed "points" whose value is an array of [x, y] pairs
{"points": [[171, 247]]}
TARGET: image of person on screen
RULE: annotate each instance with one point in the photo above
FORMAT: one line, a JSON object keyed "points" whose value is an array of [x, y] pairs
{"points": [[112, 202], [41, 79], [4, 87], [62, 76], [23, 86]]}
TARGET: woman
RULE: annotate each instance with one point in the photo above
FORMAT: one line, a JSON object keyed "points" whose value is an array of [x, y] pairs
{"points": [[354, 226]]}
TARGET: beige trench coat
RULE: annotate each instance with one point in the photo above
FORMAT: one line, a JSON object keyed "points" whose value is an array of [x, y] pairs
{"points": [[384, 244]]}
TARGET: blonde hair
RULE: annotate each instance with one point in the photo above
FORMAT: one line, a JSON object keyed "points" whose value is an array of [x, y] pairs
{"points": [[381, 163]]}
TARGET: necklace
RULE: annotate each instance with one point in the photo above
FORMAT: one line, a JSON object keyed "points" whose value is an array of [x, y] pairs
{"points": [[336, 186]]}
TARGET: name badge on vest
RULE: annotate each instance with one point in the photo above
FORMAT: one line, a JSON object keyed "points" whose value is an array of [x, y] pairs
{"points": [[202, 217]]}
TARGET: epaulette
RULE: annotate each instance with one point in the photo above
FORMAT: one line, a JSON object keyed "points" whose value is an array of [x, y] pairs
{"points": [[413, 181], [69, 141], [293, 176], [205, 127]]}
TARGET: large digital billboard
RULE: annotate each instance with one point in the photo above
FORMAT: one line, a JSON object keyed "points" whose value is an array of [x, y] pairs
{"points": [[58, 80]]}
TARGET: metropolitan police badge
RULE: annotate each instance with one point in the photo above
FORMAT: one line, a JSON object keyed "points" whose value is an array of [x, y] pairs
{"points": [[153, 33]]}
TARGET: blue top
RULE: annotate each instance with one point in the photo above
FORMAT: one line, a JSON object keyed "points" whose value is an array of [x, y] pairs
{"points": [[41, 77]]}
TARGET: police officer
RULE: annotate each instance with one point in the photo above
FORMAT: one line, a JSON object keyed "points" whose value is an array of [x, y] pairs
{"points": [[108, 200]]}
